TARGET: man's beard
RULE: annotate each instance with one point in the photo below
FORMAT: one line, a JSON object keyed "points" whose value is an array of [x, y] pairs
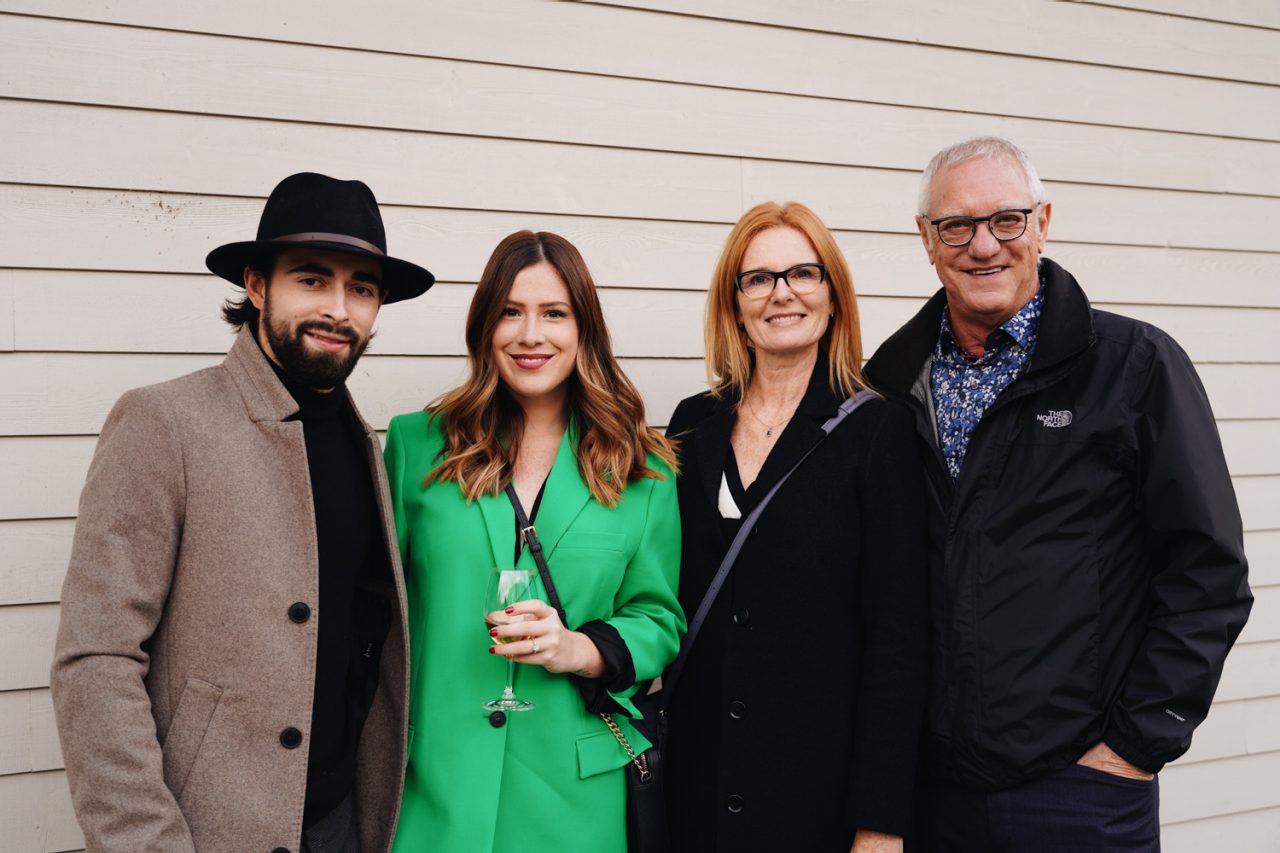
{"points": [[319, 370]]}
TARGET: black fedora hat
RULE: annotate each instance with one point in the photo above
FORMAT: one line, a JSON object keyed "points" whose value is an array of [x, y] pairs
{"points": [[316, 211]]}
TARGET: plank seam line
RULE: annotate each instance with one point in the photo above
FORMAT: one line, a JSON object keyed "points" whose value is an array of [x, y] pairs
{"points": [[677, 82], [608, 146], [1187, 821], [1244, 24], [941, 46], [605, 216]]}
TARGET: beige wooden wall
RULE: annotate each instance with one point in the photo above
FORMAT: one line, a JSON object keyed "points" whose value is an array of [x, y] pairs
{"points": [[137, 135]]}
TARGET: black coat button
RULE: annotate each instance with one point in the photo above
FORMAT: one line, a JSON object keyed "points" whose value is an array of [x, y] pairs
{"points": [[291, 738], [741, 617], [281, 850], [733, 804], [737, 709], [299, 612], [497, 719]]}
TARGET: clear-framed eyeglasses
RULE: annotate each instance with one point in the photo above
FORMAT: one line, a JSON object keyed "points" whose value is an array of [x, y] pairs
{"points": [[1005, 225], [802, 279]]}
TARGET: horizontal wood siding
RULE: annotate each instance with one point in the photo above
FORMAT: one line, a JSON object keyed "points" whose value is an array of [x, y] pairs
{"points": [[141, 134]]}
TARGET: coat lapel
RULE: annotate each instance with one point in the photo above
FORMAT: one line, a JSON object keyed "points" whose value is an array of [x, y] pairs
{"points": [[265, 397], [710, 447], [805, 428]]}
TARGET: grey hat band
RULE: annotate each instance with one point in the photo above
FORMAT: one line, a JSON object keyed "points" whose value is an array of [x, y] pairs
{"points": [[324, 237]]}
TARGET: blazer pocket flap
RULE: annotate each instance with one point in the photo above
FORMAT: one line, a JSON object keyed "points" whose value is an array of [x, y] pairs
{"points": [[595, 540], [187, 730], [600, 753]]}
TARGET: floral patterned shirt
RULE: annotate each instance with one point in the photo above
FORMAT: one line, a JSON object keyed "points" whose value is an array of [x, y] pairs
{"points": [[964, 388]]}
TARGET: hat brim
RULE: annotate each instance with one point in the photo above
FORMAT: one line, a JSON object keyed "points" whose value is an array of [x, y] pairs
{"points": [[400, 279]]}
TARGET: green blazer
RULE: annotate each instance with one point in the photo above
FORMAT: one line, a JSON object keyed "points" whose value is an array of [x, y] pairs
{"points": [[550, 779]]}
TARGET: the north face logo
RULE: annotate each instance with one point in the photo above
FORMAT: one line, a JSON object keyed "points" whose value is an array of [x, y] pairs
{"points": [[1055, 419]]}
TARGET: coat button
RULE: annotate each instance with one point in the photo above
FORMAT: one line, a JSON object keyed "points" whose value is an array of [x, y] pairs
{"points": [[497, 719], [291, 738], [281, 850], [737, 709], [733, 804], [741, 617], [299, 612]]}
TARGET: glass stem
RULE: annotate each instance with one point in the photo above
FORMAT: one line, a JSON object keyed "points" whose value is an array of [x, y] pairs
{"points": [[508, 693]]}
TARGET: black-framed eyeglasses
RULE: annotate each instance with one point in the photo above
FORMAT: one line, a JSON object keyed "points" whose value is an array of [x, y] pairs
{"points": [[1005, 225], [802, 278]]}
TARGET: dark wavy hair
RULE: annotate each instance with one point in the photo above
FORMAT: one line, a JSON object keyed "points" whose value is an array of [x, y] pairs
{"points": [[241, 312]]}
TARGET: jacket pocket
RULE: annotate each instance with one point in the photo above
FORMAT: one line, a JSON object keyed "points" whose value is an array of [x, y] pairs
{"points": [[600, 752], [187, 730]]}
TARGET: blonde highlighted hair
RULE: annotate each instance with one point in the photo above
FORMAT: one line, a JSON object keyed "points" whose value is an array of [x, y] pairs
{"points": [[482, 422], [730, 360]]}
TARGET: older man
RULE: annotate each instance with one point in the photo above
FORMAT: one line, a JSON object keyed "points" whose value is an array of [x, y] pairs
{"points": [[231, 670], [1089, 575]]}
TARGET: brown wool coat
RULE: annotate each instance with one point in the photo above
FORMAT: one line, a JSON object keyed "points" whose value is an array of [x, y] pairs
{"points": [[177, 665]]}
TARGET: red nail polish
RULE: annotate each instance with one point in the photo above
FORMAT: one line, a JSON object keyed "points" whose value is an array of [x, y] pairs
{"points": [[493, 632], [492, 650], [511, 609]]}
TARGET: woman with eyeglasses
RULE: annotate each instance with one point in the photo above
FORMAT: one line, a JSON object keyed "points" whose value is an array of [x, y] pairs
{"points": [[794, 723], [546, 413]]}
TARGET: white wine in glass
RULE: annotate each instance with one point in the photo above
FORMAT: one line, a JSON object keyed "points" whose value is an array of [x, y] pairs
{"points": [[505, 588]]}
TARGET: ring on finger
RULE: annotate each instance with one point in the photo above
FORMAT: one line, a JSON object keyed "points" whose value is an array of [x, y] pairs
{"points": [[535, 647]]}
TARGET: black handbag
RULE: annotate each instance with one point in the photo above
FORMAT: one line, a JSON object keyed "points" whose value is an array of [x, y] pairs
{"points": [[647, 827]]}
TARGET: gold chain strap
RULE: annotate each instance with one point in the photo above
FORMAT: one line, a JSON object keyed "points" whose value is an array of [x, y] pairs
{"points": [[641, 763]]}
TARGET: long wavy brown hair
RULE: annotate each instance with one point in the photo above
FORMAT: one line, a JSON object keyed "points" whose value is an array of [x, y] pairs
{"points": [[483, 422], [730, 360]]}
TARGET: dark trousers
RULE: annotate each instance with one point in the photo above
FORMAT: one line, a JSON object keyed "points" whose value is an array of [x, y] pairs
{"points": [[336, 832], [1076, 810]]}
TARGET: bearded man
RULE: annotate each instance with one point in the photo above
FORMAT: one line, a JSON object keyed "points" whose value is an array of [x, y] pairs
{"points": [[231, 670]]}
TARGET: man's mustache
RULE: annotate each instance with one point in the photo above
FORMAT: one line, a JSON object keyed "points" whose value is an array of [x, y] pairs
{"points": [[347, 332]]}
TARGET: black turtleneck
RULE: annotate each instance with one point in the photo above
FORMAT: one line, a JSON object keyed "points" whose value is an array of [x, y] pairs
{"points": [[351, 627]]}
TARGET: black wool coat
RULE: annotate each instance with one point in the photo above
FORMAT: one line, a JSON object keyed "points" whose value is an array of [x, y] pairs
{"points": [[797, 718]]}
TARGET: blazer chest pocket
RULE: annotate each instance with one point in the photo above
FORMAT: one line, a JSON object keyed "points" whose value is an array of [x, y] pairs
{"points": [[593, 540], [596, 554], [190, 722]]}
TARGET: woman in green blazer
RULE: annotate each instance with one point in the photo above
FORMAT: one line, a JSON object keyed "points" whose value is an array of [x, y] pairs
{"points": [[546, 408]]}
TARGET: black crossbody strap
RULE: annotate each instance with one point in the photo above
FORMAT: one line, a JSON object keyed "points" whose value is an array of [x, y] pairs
{"points": [[672, 675], [530, 537]]}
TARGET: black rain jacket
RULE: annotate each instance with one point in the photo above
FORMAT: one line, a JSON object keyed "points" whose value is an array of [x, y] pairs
{"points": [[1088, 574]]}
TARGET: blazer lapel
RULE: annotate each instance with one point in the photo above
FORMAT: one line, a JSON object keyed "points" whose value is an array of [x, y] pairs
{"points": [[500, 521], [565, 496]]}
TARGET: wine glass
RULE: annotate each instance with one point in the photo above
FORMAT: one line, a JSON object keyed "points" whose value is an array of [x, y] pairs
{"points": [[505, 588]]}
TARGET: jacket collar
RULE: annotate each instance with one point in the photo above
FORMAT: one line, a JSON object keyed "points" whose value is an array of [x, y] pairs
{"points": [[1066, 328], [265, 397], [564, 499], [711, 439]]}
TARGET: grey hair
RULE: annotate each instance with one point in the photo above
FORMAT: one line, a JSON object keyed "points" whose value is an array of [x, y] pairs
{"points": [[987, 147]]}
